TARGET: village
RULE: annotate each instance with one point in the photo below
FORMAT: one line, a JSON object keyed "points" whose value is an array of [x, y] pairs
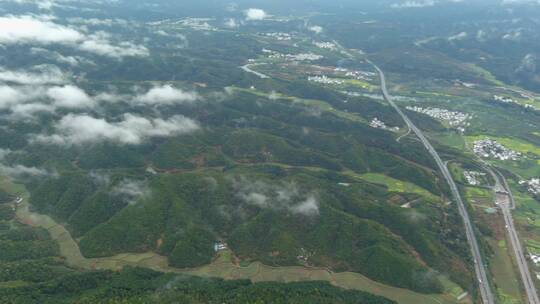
{"points": [[342, 72], [279, 36], [473, 177], [455, 119], [325, 45], [359, 75], [489, 148], [198, 24], [376, 123], [290, 57], [325, 80], [533, 185], [509, 100], [504, 99], [535, 258]]}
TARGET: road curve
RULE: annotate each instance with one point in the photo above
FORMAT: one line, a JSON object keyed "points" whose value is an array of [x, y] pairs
{"points": [[505, 201], [483, 283], [247, 68]]}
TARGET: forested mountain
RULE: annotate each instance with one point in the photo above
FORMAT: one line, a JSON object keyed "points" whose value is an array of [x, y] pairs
{"points": [[176, 135]]}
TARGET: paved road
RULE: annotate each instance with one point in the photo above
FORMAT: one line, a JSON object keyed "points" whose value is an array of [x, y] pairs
{"points": [[247, 68], [505, 201], [483, 283]]}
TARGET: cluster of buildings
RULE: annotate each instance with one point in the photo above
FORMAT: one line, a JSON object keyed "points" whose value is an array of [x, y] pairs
{"points": [[325, 45], [220, 246], [272, 54], [292, 57], [533, 185], [16, 202], [199, 24], [380, 97], [512, 101], [278, 36], [359, 75], [489, 148], [325, 80], [472, 177], [353, 94], [536, 260], [503, 99], [466, 84], [376, 123], [455, 119], [304, 57], [304, 255]]}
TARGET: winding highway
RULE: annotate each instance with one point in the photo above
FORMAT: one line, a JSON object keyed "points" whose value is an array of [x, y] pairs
{"points": [[483, 283]]}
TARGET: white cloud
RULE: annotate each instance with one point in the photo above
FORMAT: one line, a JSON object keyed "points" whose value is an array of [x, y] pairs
{"points": [[103, 47], [282, 197], [414, 4], [9, 97], [98, 22], [41, 74], [28, 110], [20, 171], [481, 36], [257, 199], [273, 95], [26, 100], [12, 96], [528, 64], [42, 30], [29, 29], [255, 14], [111, 97], [316, 29], [101, 179], [70, 96], [231, 7], [308, 207], [513, 35], [41, 4], [132, 190], [166, 95], [56, 56], [231, 23], [422, 3], [510, 2], [4, 153], [82, 129], [459, 36]]}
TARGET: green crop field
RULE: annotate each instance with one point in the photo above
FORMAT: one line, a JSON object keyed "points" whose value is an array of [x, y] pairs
{"points": [[223, 267], [451, 139], [479, 196], [504, 274], [395, 185]]}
